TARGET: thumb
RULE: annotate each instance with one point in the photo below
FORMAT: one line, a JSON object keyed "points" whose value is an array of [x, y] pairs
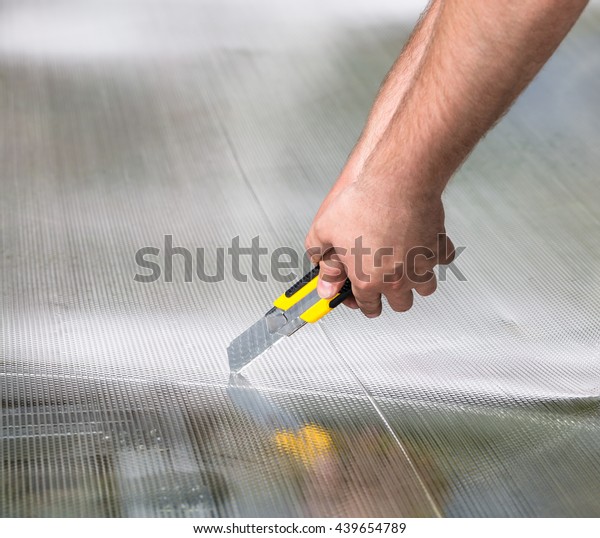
{"points": [[332, 275]]}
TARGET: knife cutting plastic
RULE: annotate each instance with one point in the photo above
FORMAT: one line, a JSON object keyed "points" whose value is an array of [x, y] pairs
{"points": [[292, 310]]}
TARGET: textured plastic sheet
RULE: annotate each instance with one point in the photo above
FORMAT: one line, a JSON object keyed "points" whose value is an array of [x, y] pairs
{"points": [[122, 122]]}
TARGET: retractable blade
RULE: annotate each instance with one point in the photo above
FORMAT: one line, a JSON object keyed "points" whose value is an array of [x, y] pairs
{"points": [[299, 305]]}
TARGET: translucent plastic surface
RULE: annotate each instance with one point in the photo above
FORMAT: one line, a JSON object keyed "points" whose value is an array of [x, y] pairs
{"points": [[210, 120]]}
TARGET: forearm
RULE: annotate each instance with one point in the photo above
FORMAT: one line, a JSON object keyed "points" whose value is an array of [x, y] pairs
{"points": [[483, 55], [434, 107], [393, 90]]}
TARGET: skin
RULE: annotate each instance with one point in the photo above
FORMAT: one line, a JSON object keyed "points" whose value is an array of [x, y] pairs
{"points": [[465, 64]]}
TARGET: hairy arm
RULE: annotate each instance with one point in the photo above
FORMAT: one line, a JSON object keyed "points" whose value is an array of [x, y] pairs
{"points": [[473, 61], [394, 88], [484, 54]]}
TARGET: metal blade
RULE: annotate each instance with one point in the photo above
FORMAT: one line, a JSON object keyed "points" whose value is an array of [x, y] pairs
{"points": [[256, 340]]}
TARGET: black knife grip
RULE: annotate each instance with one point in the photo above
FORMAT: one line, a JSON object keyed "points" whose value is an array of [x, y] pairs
{"points": [[299, 284], [345, 292]]}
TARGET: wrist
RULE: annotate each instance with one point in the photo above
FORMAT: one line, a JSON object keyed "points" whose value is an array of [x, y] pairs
{"points": [[394, 185]]}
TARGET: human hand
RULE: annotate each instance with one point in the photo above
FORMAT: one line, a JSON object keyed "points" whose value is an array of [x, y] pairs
{"points": [[386, 240]]}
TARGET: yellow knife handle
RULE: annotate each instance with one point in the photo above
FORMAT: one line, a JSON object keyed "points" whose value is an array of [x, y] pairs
{"points": [[302, 288]]}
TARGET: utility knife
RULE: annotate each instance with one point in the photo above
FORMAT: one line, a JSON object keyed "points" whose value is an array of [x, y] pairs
{"points": [[292, 310]]}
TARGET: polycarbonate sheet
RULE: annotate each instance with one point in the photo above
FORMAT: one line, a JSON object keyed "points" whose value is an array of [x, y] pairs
{"points": [[204, 121], [139, 449], [505, 461]]}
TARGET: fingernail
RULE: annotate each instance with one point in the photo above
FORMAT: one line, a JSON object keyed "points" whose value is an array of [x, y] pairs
{"points": [[325, 289]]}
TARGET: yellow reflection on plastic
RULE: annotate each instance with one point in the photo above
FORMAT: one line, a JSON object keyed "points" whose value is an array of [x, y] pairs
{"points": [[307, 445]]}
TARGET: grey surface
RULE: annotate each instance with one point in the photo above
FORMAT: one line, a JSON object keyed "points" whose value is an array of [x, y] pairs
{"points": [[121, 122]]}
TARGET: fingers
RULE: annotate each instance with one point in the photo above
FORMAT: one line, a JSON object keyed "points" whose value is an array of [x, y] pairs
{"points": [[427, 288], [350, 302], [368, 300], [332, 272], [400, 301], [416, 269], [332, 275]]}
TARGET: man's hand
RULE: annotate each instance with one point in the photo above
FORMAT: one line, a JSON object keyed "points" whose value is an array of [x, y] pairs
{"points": [[387, 244], [466, 62]]}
